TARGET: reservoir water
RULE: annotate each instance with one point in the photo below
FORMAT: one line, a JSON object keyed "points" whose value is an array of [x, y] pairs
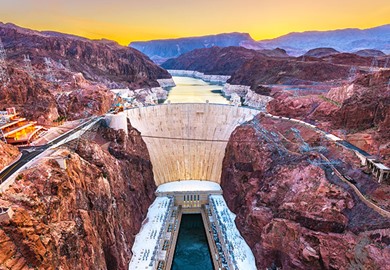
{"points": [[192, 250], [191, 90]]}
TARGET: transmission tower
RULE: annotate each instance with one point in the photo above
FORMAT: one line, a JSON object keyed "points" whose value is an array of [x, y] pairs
{"points": [[352, 74], [4, 78], [305, 147], [272, 139], [374, 64], [387, 62], [28, 66], [49, 71]]}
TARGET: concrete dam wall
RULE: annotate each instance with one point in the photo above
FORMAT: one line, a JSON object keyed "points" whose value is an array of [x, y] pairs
{"points": [[187, 141]]}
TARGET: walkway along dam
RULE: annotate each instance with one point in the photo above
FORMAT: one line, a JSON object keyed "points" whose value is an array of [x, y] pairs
{"points": [[186, 144]]}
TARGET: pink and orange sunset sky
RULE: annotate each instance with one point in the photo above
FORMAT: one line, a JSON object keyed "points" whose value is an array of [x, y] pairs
{"points": [[130, 20]]}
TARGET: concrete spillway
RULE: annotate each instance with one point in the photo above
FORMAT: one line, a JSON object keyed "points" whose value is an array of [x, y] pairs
{"points": [[187, 141]]}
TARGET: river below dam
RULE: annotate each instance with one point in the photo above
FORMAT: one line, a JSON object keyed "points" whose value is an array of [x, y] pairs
{"points": [[192, 250], [191, 90]]}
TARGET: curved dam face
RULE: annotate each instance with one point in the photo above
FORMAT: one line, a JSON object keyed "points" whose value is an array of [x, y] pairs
{"points": [[187, 141]]}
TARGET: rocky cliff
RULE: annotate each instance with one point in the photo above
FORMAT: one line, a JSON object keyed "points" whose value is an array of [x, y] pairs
{"points": [[263, 70], [8, 153], [217, 60], [162, 50], [98, 60], [82, 217], [293, 213], [57, 75], [359, 107]]}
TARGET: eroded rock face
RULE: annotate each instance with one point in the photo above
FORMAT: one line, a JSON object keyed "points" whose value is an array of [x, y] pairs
{"points": [[218, 60], [84, 217], [30, 97], [69, 76], [293, 214], [101, 61], [361, 108], [8, 153], [260, 70]]}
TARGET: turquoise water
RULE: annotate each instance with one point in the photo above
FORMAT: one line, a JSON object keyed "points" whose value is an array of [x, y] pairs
{"points": [[191, 90], [192, 250]]}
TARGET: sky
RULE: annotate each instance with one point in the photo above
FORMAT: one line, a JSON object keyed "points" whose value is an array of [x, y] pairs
{"points": [[129, 20]]}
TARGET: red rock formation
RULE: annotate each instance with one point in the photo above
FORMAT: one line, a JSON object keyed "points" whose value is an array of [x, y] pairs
{"points": [[82, 71], [217, 60], [214, 61], [295, 215], [260, 70], [8, 153], [30, 97], [99, 61], [321, 52], [362, 106], [84, 217]]}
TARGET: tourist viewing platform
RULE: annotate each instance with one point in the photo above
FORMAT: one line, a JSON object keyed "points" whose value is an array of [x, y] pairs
{"points": [[17, 130]]}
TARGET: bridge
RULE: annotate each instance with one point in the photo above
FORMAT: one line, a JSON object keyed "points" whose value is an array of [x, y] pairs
{"points": [[187, 141]]}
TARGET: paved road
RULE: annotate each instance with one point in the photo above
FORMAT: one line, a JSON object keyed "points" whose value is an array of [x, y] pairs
{"points": [[28, 153]]}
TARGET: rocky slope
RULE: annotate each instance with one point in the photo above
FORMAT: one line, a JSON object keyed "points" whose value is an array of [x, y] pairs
{"points": [[262, 70], [99, 60], [321, 52], [8, 153], [161, 50], [360, 107], [82, 217], [217, 60], [294, 214], [68, 76], [370, 53]]}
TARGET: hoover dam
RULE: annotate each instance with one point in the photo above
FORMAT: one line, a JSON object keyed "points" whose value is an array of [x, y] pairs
{"points": [[186, 144]]}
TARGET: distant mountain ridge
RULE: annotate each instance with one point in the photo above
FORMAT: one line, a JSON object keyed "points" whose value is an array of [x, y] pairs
{"points": [[343, 40], [161, 50]]}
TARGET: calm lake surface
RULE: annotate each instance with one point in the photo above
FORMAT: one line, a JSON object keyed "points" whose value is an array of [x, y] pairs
{"points": [[191, 90]]}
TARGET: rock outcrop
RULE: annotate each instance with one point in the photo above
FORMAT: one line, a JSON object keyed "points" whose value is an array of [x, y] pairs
{"points": [[85, 216], [217, 60], [101, 61], [66, 76], [370, 53], [263, 70], [361, 106], [292, 213], [161, 50], [321, 52], [211, 61], [8, 153]]}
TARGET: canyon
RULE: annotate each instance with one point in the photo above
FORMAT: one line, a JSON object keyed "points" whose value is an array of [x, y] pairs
{"points": [[52, 75], [82, 217], [294, 214], [82, 206]]}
